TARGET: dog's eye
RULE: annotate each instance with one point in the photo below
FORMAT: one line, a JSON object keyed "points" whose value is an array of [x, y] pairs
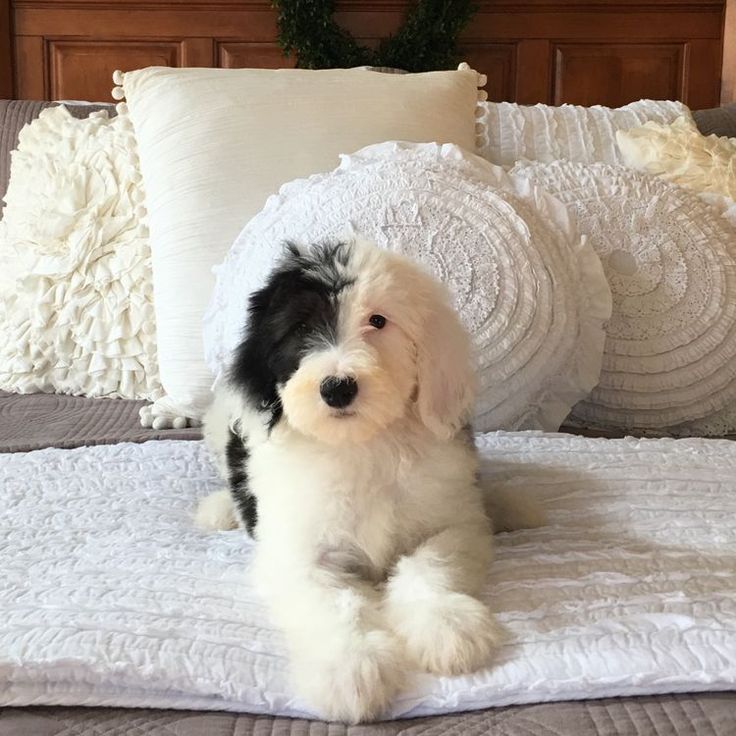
{"points": [[378, 321]]}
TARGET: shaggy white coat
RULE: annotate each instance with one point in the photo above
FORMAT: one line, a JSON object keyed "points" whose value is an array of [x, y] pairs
{"points": [[372, 542]]}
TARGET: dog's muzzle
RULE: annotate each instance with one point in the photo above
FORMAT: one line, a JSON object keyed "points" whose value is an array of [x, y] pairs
{"points": [[338, 392]]}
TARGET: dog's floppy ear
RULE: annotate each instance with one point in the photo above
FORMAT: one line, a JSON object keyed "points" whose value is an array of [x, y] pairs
{"points": [[445, 375]]}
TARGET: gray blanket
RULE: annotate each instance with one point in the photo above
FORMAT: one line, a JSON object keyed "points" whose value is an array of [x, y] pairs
{"points": [[675, 715], [33, 421]]}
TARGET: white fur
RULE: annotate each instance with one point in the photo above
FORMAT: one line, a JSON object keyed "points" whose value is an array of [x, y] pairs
{"points": [[372, 539], [217, 512]]}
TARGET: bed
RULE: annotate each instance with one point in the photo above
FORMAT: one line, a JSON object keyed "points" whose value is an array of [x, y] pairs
{"points": [[35, 422]]}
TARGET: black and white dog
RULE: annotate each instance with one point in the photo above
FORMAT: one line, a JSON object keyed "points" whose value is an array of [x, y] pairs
{"points": [[343, 432]]}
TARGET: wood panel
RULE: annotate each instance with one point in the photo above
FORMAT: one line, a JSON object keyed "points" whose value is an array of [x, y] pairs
{"points": [[82, 69], [498, 62], [585, 73], [533, 81], [31, 69], [241, 55], [702, 73], [6, 54], [586, 51], [728, 89]]}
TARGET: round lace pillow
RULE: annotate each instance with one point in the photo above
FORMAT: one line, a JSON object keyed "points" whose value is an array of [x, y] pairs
{"points": [[670, 258], [533, 297]]}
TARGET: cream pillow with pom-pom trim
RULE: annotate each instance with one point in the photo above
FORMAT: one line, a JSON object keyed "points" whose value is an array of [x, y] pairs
{"points": [[214, 144]]}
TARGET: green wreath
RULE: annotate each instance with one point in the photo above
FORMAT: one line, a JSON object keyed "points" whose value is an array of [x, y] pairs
{"points": [[427, 39]]}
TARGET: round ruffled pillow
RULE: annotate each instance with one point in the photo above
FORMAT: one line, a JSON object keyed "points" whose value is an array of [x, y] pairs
{"points": [[531, 294], [670, 258]]}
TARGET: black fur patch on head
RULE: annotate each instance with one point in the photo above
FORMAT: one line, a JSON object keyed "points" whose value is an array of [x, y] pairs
{"points": [[293, 313]]}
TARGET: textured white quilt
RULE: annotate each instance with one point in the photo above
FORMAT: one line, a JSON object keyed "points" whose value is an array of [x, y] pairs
{"points": [[109, 595]]}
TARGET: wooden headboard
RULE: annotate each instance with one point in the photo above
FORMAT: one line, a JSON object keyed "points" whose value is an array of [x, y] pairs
{"points": [[582, 51]]}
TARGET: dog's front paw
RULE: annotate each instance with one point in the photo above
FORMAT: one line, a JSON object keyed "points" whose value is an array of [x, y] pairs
{"points": [[216, 512], [358, 682], [453, 635]]}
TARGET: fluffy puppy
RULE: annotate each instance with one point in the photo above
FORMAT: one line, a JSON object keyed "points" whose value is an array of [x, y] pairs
{"points": [[343, 431]]}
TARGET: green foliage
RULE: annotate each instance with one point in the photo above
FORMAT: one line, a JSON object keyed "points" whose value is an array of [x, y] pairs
{"points": [[427, 39]]}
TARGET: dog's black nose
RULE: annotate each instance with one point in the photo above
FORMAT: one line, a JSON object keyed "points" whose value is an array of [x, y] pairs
{"points": [[338, 392]]}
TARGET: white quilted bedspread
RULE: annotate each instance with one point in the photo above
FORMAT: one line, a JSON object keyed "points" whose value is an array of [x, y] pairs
{"points": [[109, 595]]}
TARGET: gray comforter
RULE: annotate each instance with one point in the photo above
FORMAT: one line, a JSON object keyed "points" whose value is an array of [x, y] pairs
{"points": [[675, 715]]}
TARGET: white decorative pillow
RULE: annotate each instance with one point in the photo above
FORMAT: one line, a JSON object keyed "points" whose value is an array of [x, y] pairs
{"points": [[78, 318], [532, 295], [216, 143], [570, 132], [681, 154], [670, 258]]}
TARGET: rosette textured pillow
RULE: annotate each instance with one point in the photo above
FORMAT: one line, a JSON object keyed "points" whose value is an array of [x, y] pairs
{"points": [[670, 258], [680, 154], [532, 295], [77, 317]]}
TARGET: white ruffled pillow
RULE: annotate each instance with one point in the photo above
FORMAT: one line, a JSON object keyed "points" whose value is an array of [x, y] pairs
{"points": [[513, 132], [681, 154], [670, 258], [78, 316], [532, 295]]}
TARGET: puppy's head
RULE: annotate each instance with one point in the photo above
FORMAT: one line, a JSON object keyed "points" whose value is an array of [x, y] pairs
{"points": [[344, 339]]}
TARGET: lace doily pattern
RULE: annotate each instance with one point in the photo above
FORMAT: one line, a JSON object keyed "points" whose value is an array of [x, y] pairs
{"points": [[532, 295], [79, 318], [670, 258]]}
